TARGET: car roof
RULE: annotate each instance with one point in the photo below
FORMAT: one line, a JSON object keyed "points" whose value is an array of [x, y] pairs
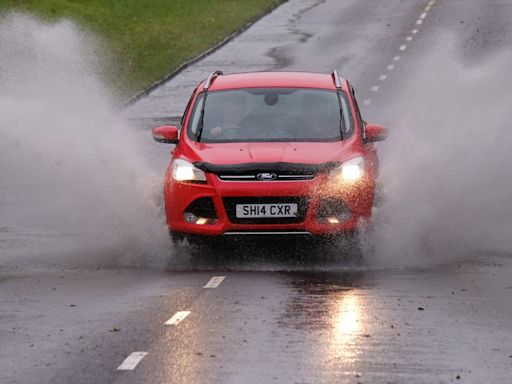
{"points": [[275, 79]]}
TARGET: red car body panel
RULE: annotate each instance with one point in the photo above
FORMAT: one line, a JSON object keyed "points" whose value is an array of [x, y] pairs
{"points": [[357, 196]]}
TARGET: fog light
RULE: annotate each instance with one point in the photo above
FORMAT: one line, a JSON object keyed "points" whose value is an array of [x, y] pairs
{"points": [[193, 219], [190, 217], [333, 211]]}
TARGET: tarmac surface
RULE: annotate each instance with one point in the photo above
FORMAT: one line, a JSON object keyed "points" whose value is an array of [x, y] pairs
{"points": [[282, 314]]}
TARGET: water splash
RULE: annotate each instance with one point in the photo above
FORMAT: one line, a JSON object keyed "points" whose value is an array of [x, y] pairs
{"points": [[70, 168], [445, 166]]}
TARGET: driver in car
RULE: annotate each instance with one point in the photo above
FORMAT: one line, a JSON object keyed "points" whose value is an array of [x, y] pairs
{"points": [[319, 121], [232, 115]]}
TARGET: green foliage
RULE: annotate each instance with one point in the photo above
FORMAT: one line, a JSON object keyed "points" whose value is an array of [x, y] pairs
{"points": [[150, 38]]}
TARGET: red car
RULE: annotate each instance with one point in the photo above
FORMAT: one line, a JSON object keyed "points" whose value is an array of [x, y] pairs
{"points": [[270, 153]]}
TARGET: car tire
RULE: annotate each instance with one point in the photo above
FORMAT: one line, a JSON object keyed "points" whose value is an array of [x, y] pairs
{"points": [[348, 248], [193, 244]]}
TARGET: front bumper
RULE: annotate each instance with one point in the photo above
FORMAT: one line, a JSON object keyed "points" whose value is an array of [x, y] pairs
{"points": [[327, 208]]}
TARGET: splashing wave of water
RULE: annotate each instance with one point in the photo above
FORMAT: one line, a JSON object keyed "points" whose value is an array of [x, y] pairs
{"points": [[69, 166]]}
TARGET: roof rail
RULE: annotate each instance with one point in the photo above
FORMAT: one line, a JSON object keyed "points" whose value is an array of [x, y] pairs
{"points": [[336, 78], [210, 79]]}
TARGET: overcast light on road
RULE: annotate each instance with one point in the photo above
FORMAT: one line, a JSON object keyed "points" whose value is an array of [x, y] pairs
{"points": [[418, 289]]}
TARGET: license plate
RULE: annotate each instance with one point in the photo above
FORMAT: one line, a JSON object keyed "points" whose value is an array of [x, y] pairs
{"points": [[266, 210]]}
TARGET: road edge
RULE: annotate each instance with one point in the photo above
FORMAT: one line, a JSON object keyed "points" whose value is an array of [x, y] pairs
{"points": [[146, 91]]}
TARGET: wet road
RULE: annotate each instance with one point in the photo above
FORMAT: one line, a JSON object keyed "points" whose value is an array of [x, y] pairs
{"points": [[277, 317]]}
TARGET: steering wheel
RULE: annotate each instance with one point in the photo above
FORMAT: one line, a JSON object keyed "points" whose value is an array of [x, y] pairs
{"points": [[227, 131]]}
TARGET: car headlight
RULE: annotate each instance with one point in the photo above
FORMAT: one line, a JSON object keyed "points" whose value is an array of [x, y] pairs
{"points": [[182, 170], [351, 170]]}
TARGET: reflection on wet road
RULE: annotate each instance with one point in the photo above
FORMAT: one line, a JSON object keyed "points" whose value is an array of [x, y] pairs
{"points": [[347, 324], [293, 311], [378, 326], [264, 322]]}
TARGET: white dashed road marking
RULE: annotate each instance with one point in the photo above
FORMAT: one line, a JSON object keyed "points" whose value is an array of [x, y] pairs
{"points": [[215, 282], [177, 318], [131, 361], [390, 67]]}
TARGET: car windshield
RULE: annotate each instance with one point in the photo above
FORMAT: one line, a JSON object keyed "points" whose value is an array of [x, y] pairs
{"points": [[270, 114]]}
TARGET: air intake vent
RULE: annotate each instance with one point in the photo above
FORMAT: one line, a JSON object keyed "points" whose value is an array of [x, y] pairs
{"points": [[328, 208], [203, 207]]}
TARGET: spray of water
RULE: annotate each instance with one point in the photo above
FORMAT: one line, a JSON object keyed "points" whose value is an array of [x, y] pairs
{"points": [[69, 167], [446, 164]]}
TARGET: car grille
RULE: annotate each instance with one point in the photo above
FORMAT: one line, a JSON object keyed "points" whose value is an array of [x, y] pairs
{"points": [[231, 202], [278, 177]]}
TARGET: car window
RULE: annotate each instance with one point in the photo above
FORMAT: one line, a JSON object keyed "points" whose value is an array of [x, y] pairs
{"points": [[271, 114]]}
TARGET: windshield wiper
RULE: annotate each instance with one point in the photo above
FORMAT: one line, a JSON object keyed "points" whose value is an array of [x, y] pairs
{"points": [[337, 82], [207, 84]]}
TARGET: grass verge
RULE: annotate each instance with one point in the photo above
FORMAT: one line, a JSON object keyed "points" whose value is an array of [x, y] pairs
{"points": [[150, 38]]}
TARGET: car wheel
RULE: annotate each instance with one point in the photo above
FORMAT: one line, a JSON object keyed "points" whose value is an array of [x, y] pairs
{"points": [[348, 248], [193, 245]]}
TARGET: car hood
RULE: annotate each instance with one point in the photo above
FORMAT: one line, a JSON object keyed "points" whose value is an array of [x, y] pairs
{"points": [[243, 153]]}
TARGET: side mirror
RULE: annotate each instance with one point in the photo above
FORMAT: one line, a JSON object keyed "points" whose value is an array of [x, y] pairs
{"points": [[166, 134], [375, 132]]}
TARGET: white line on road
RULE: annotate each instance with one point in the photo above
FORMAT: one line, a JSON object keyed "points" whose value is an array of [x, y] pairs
{"points": [[177, 318], [214, 282], [131, 361], [375, 88]]}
